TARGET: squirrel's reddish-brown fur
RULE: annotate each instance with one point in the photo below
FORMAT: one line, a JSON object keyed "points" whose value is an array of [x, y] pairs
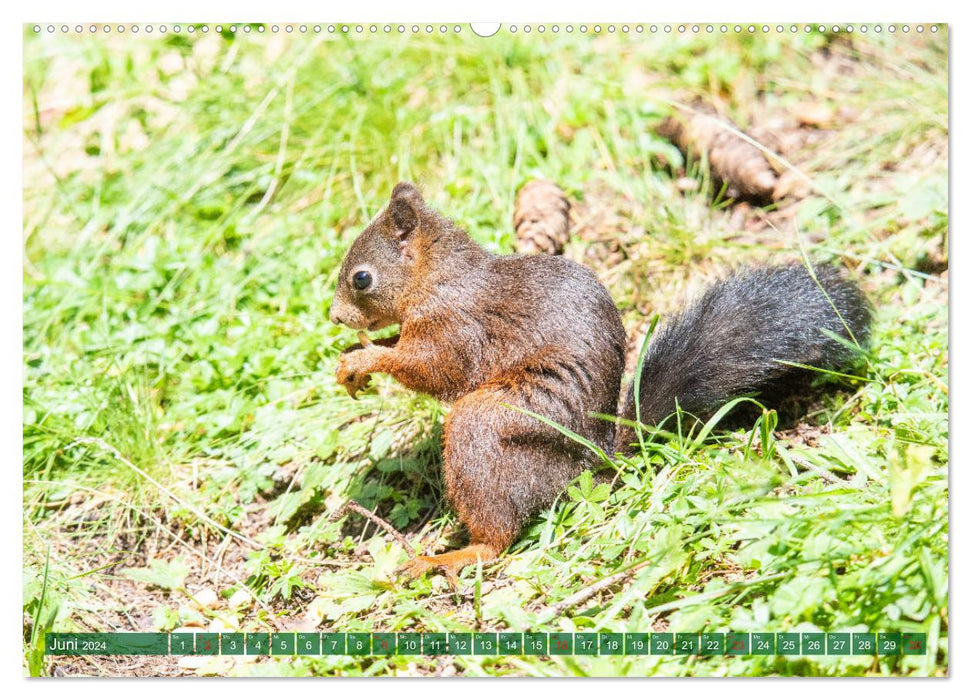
{"points": [[492, 334]]}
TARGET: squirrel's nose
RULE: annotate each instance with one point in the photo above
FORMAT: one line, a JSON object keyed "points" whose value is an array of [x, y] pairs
{"points": [[335, 317]]}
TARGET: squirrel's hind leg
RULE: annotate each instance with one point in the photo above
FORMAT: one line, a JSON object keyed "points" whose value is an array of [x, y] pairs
{"points": [[501, 467], [451, 563], [487, 482]]}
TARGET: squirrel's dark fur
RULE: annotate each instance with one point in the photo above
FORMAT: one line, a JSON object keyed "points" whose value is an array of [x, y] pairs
{"points": [[737, 338], [540, 333]]}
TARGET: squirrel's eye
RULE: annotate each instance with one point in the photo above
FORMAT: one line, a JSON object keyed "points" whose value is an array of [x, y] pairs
{"points": [[362, 279]]}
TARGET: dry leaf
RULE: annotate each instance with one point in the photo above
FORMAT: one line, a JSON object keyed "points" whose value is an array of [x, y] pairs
{"points": [[206, 599]]}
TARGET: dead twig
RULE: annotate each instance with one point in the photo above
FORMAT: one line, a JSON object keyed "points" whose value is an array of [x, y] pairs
{"points": [[381, 522], [585, 594], [825, 474], [111, 449]]}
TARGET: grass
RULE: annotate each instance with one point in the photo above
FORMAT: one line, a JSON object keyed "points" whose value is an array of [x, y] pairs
{"points": [[187, 202]]}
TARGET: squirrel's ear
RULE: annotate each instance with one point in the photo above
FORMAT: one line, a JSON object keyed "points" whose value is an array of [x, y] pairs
{"points": [[406, 189], [405, 203]]}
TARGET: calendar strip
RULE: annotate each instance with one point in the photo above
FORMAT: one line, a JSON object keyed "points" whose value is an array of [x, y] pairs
{"points": [[488, 644]]}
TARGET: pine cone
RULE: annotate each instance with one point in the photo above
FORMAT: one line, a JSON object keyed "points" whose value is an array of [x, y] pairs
{"points": [[541, 218], [733, 160]]}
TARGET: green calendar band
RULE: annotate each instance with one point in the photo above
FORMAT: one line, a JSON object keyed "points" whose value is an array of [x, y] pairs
{"points": [[804, 644], [89, 644]]}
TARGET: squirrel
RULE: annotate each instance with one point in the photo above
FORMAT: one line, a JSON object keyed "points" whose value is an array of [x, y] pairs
{"points": [[494, 333]]}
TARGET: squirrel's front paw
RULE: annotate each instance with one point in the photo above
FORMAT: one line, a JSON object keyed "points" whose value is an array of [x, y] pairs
{"points": [[352, 371]]}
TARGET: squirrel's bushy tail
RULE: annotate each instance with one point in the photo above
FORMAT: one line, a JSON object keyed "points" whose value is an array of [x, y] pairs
{"points": [[730, 342]]}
